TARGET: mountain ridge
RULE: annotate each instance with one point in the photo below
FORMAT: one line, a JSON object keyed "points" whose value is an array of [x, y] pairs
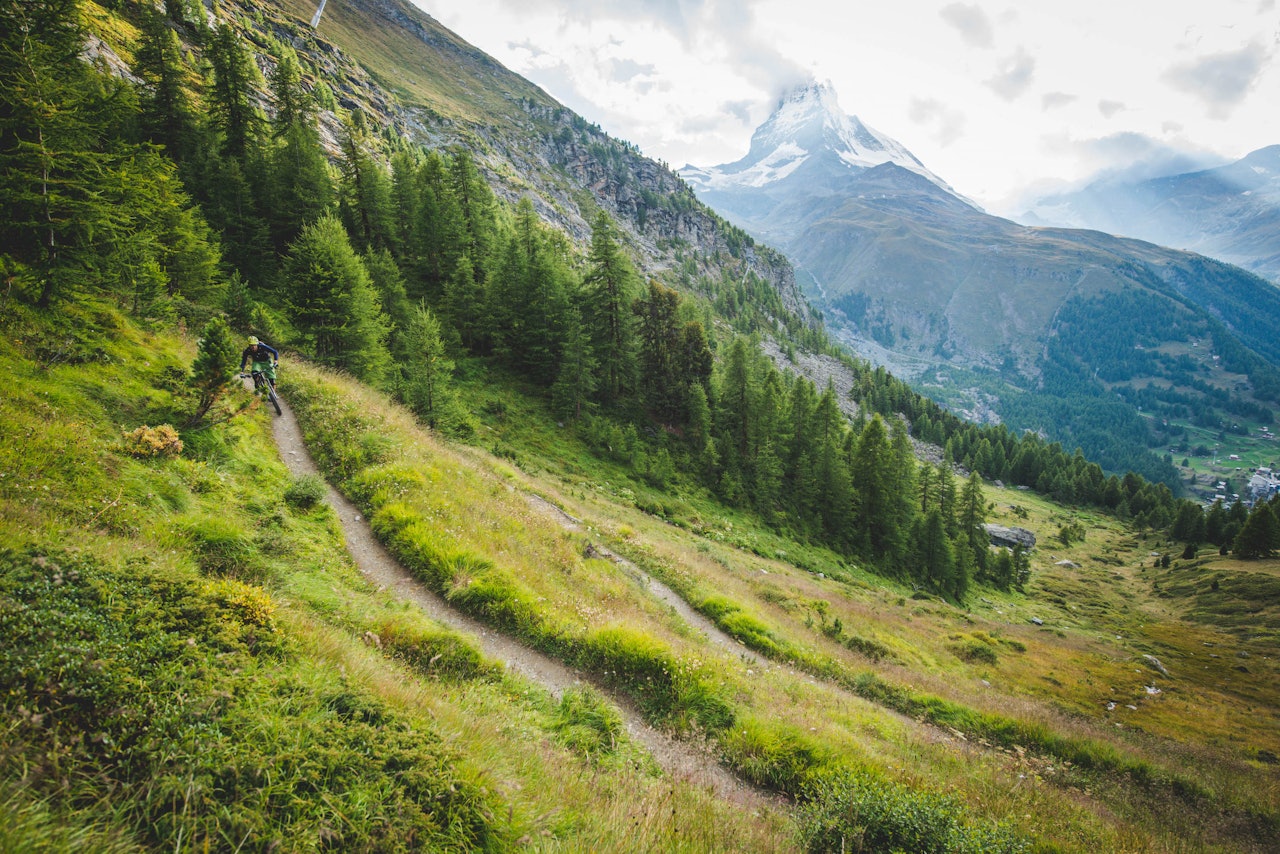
{"points": [[909, 274], [1230, 212]]}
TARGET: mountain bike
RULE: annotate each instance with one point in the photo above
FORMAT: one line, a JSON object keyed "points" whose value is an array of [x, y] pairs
{"points": [[261, 383]]}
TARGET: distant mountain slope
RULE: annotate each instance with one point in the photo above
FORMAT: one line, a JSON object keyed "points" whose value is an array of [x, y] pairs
{"points": [[1230, 212], [425, 83], [911, 274]]}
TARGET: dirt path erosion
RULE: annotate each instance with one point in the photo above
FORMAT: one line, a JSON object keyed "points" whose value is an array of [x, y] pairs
{"points": [[680, 760]]}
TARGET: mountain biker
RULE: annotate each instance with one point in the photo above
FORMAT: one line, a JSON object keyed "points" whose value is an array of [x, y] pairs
{"points": [[262, 356]]}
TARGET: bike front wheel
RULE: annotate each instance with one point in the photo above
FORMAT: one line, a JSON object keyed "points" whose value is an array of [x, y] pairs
{"points": [[275, 401]]}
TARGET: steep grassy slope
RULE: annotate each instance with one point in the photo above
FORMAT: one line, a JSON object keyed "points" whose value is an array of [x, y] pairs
{"points": [[991, 700], [190, 655], [190, 659]]}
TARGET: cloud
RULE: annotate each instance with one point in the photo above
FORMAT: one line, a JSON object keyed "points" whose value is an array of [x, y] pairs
{"points": [[1220, 80], [1055, 100], [946, 124], [1013, 75], [972, 22], [626, 70], [1109, 108], [696, 24], [1135, 156]]}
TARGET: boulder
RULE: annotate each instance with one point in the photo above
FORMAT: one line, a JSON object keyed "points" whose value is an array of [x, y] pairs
{"points": [[1010, 537]]}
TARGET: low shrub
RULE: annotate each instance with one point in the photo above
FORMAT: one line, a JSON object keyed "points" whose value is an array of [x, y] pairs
{"points": [[305, 492], [586, 723], [431, 651], [222, 547], [975, 651], [245, 603], [148, 442], [664, 686], [752, 632], [773, 756], [126, 696], [872, 649], [848, 811]]}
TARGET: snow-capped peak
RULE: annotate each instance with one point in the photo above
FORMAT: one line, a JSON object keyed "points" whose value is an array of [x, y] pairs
{"points": [[808, 121]]}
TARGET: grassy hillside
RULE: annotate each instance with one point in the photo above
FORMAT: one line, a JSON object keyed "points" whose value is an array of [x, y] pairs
{"points": [[190, 654], [190, 658]]}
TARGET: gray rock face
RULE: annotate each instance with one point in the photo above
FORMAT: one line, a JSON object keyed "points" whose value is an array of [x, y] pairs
{"points": [[1010, 537]]}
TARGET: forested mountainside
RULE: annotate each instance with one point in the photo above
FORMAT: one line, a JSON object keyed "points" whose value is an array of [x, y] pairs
{"points": [[1129, 350], [604, 471], [1230, 211], [420, 81]]}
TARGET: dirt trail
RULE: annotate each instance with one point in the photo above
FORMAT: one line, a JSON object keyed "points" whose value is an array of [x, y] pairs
{"points": [[679, 759]]}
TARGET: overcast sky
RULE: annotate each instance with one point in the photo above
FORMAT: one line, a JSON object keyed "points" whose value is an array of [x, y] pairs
{"points": [[992, 96]]}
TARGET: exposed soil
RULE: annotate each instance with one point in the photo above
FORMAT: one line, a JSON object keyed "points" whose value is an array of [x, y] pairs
{"points": [[679, 759]]}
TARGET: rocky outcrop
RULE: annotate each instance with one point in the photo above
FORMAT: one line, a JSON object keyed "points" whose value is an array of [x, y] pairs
{"points": [[1010, 537]]}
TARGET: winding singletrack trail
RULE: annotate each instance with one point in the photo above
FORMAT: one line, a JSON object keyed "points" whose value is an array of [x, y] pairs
{"points": [[681, 760]]}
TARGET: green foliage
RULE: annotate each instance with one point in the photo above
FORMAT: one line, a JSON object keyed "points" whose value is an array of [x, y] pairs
{"points": [[774, 756], [1260, 536], [305, 492], [586, 723], [255, 751], [223, 548], [333, 303], [740, 625], [663, 685], [216, 361], [855, 812], [975, 651]]}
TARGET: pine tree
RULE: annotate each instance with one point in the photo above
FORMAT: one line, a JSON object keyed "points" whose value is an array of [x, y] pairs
{"points": [[215, 365], [575, 384], [167, 117], [333, 304], [235, 76], [610, 285], [477, 224], [389, 284], [294, 105], [1260, 536], [428, 370], [971, 519], [934, 555], [53, 113], [366, 192], [660, 353]]}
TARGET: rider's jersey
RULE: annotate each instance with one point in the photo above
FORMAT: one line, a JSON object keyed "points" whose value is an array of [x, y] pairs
{"points": [[258, 353]]}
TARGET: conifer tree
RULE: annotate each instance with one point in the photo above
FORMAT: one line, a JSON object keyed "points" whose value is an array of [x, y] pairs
{"points": [[831, 469], [52, 168], [660, 353], [389, 284], [610, 286], [216, 359], [427, 368], [366, 191], [1260, 536], [436, 229], [333, 304], [235, 76], [971, 518], [475, 208], [575, 384], [935, 562], [167, 117]]}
